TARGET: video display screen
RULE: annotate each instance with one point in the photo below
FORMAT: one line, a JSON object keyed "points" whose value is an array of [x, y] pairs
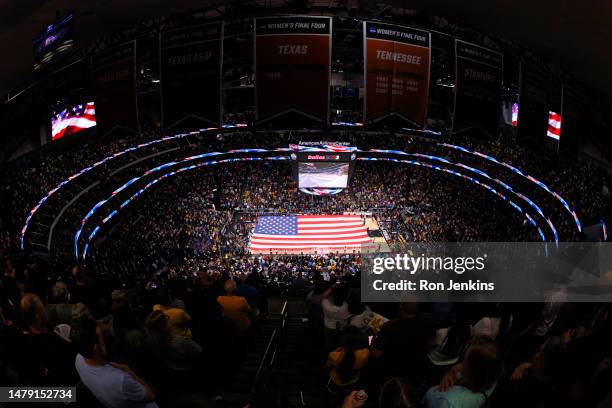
{"points": [[554, 126], [55, 39], [323, 175], [72, 120]]}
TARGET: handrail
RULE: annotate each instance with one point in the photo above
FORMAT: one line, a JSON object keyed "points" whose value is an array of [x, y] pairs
{"points": [[263, 362], [284, 311], [283, 318], [269, 356]]}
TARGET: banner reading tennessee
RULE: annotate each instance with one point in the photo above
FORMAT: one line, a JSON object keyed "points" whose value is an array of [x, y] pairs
{"points": [[114, 86], [191, 75], [396, 62], [479, 76], [292, 66]]}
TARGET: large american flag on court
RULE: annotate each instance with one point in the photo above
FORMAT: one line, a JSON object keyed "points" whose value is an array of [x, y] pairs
{"points": [[286, 233]]}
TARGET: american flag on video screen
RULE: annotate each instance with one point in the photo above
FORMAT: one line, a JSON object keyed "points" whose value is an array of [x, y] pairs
{"points": [[73, 120], [304, 232], [554, 125]]}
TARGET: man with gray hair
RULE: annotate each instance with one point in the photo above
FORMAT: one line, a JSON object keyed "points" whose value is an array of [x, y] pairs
{"points": [[59, 293], [45, 349], [60, 310]]}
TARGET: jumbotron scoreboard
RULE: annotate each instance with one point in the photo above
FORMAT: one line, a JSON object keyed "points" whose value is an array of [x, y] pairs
{"points": [[323, 166]]}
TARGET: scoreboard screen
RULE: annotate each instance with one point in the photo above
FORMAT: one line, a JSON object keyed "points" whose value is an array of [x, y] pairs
{"points": [[323, 165], [323, 174]]}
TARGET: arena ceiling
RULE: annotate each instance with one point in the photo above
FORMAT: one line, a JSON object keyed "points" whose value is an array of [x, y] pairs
{"points": [[576, 34]]}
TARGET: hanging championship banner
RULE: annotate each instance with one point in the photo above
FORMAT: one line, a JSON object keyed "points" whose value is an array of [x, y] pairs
{"points": [[191, 66], [573, 112], [292, 67], [478, 83], [396, 72], [534, 102], [114, 86]]}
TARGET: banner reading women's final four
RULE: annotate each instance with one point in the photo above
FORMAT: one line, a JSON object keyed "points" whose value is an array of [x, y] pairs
{"points": [[396, 66], [292, 66], [479, 76]]}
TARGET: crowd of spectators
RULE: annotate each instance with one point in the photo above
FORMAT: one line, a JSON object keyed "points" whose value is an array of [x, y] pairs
{"points": [[583, 185], [124, 344], [171, 291], [555, 354], [202, 222], [173, 341], [586, 188]]}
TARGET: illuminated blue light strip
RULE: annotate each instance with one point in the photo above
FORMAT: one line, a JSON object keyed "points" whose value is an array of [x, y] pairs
{"points": [[197, 165], [563, 202], [181, 135], [93, 233], [89, 168], [109, 216], [163, 166], [482, 173], [471, 179], [150, 184], [148, 172], [446, 170], [321, 191]]}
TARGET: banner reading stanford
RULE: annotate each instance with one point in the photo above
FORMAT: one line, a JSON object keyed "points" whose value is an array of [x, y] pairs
{"points": [[534, 103], [292, 66], [191, 59], [396, 66], [478, 83], [114, 86]]}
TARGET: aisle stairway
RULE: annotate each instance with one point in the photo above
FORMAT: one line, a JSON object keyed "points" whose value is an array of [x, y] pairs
{"points": [[296, 377], [238, 390], [288, 374]]}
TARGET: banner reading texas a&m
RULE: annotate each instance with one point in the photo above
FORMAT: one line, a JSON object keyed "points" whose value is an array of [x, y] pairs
{"points": [[114, 86], [396, 72], [292, 66], [191, 75], [479, 76]]}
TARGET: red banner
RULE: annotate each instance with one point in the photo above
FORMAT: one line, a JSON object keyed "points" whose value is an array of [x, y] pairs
{"points": [[396, 73], [191, 67], [292, 67], [478, 84], [114, 82]]}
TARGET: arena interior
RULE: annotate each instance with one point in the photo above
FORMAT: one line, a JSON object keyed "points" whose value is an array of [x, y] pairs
{"points": [[189, 192]]}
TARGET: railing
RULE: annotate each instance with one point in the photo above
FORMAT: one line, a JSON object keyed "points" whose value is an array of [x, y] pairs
{"points": [[262, 375], [283, 317], [263, 371]]}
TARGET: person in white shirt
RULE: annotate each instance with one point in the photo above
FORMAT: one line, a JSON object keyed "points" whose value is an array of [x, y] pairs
{"points": [[114, 385], [335, 314]]}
